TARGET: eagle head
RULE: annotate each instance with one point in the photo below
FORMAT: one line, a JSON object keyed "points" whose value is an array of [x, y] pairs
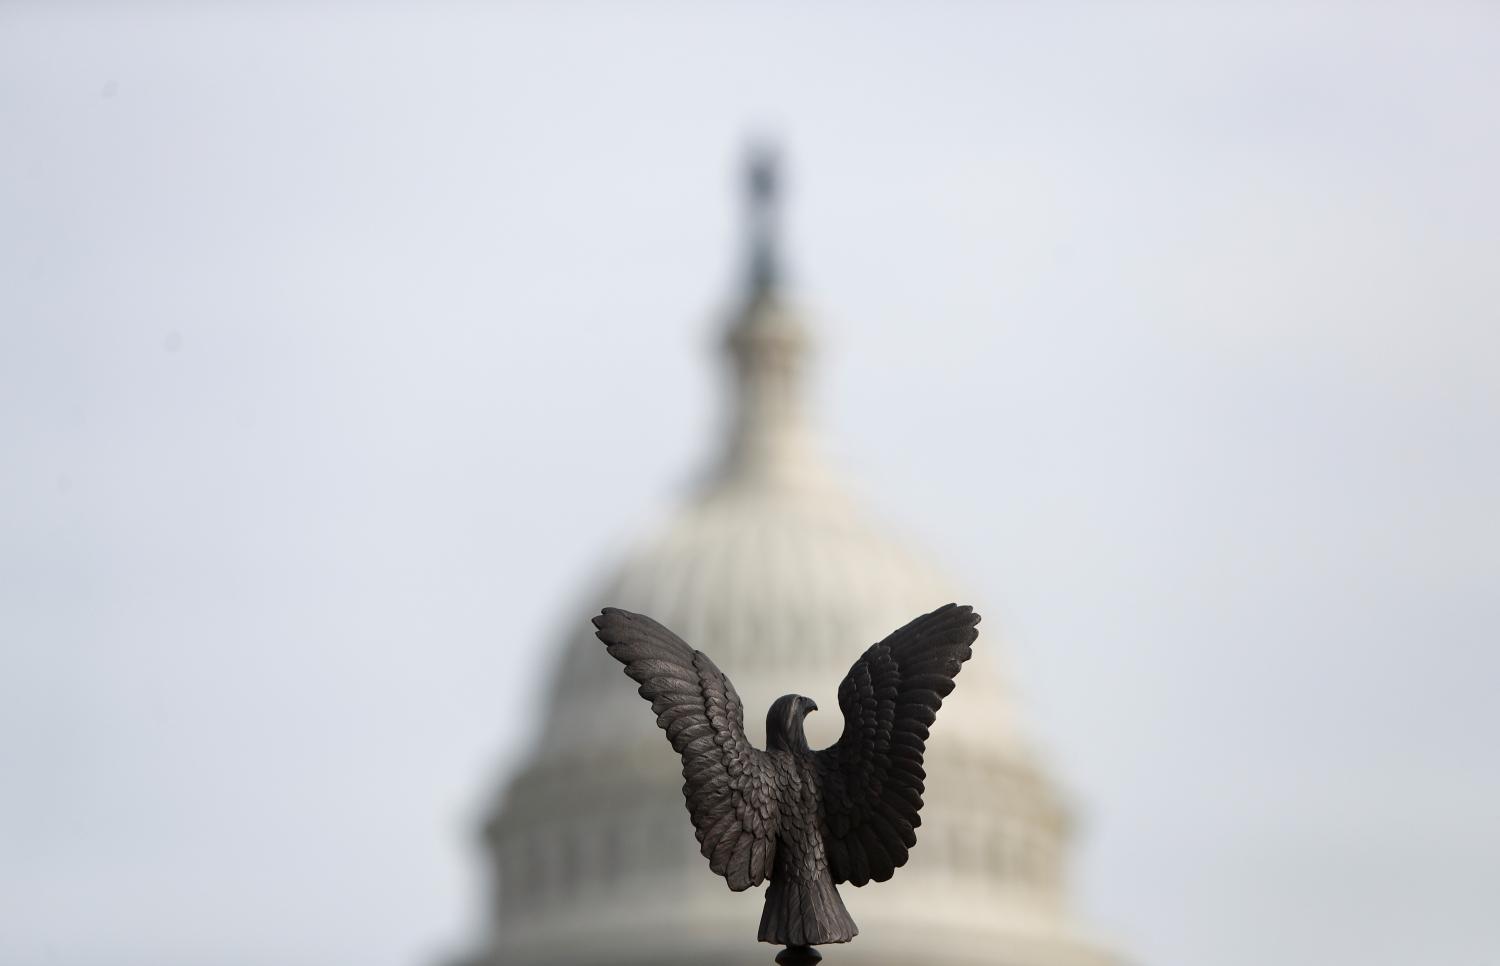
{"points": [[784, 723]]}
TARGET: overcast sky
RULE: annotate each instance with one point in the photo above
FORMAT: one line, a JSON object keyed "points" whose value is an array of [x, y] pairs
{"points": [[1173, 329]]}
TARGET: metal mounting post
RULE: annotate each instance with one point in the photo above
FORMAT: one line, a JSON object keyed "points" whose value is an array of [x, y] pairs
{"points": [[798, 956]]}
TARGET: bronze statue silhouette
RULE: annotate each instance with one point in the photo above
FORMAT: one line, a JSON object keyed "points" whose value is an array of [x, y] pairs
{"points": [[806, 820]]}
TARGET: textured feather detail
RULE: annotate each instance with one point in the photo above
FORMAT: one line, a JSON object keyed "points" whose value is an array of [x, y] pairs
{"points": [[872, 778], [730, 787]]}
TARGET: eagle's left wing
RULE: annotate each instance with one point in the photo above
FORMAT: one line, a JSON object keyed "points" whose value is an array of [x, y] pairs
{"points": [[872, 778], [730, 786]]}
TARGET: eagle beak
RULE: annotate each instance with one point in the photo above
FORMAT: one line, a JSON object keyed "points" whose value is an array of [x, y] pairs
{"points": [[811, 705]]}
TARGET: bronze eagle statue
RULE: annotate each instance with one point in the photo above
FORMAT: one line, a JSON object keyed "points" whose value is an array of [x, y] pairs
{"points": [[807, 820]]}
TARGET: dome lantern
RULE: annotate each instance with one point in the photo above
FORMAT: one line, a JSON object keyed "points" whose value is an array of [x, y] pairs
{"points": [[768, 439]]}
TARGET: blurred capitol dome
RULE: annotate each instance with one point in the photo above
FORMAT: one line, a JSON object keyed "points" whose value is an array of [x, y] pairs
{"points": [[773, 571]]}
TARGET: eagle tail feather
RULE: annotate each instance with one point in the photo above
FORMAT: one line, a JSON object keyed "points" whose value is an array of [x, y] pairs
{"points": [[799, 912]]}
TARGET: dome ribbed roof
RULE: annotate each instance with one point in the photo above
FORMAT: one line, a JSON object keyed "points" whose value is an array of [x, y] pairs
{"points": [[783, 584]]}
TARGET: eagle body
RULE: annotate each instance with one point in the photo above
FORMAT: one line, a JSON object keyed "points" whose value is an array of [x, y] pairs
{"points": [[805, 820], [802, 906]]}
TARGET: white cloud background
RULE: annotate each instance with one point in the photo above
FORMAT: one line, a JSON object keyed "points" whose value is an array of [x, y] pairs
{"points": [[327, 333]]}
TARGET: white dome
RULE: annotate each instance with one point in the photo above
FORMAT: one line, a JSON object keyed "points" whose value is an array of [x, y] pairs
{"points": [[773, 572]]}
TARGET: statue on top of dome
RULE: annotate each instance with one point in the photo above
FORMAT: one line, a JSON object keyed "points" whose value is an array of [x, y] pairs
{"points": [[806, 820], [762, 191]]}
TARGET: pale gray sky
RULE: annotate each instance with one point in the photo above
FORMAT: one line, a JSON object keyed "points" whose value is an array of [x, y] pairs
{"points": [[315, 321]]}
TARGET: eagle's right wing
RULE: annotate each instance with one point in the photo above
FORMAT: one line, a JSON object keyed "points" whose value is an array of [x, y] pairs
{"points": [[872, 779], [730, 786]]}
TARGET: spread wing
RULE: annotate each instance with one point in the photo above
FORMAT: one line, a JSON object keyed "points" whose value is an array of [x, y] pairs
{"points": [[872, 778], [730, 786]]}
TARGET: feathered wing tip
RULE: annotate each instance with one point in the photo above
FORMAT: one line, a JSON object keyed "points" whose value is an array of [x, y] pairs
{"points": [[635, 637]]}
